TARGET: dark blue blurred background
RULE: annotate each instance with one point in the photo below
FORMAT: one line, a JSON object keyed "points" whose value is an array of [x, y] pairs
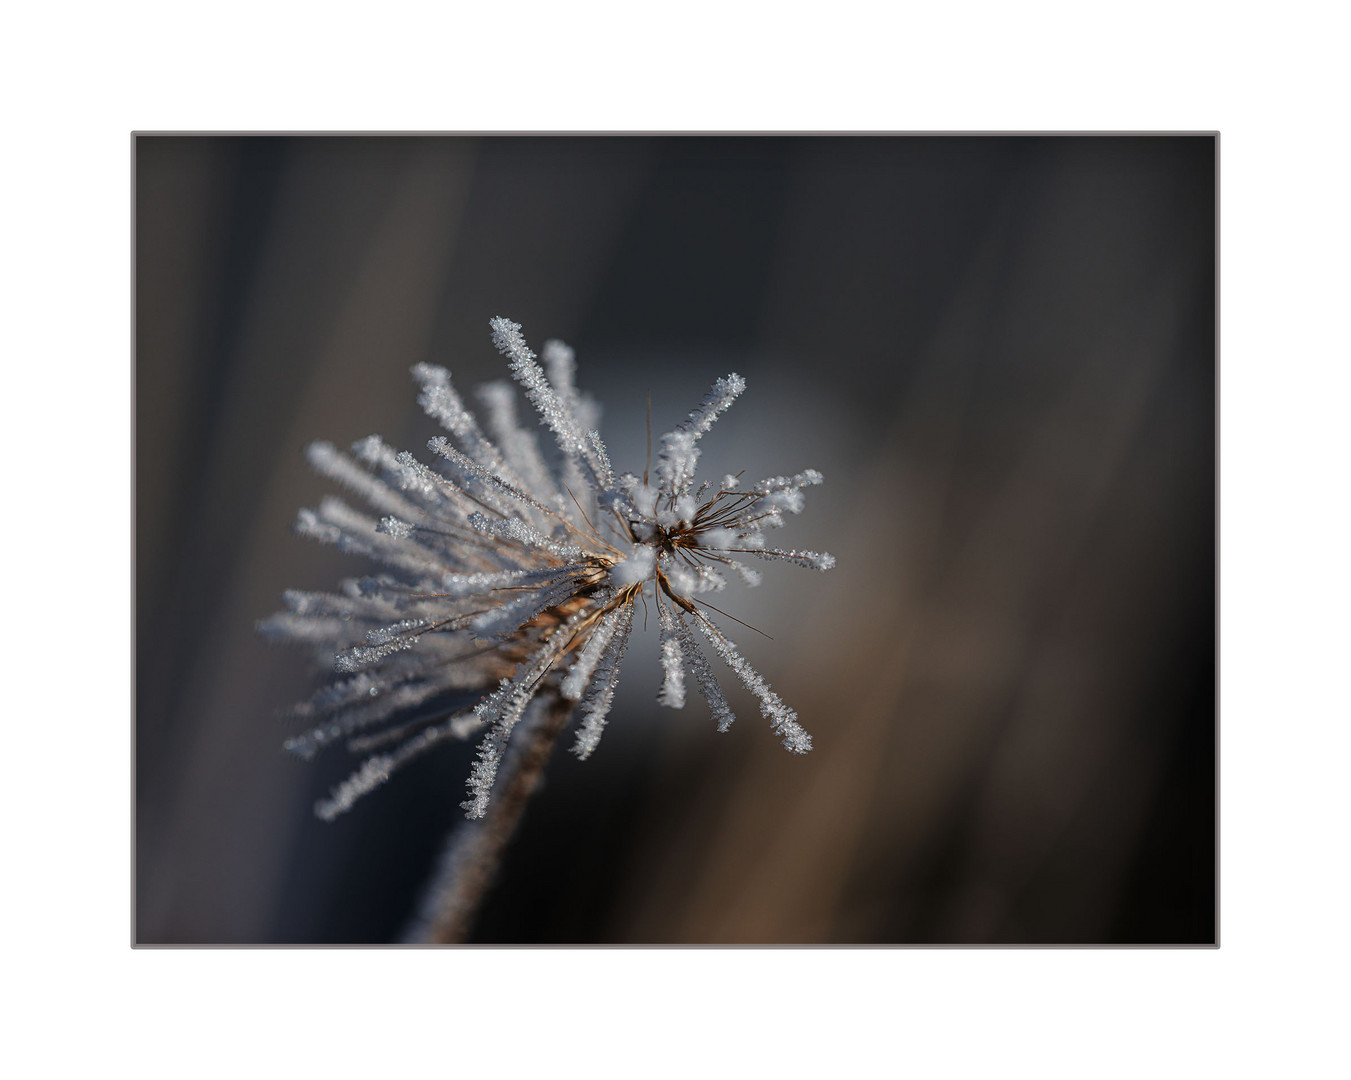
{"points": [[999, 350]]}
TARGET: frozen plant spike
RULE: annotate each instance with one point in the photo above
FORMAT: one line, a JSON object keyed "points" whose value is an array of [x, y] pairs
{"points": [[579, 676], [783, 719], [507, 580], [600, 694], [679, 455], [503, 709], [672, 693], [520, 446], [560, 413]]}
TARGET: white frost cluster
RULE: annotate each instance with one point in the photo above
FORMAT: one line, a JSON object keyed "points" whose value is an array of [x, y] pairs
{"points": [[507, 572]]}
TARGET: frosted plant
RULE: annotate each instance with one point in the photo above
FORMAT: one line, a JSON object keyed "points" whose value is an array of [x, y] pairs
{"points": [[501, 572]]}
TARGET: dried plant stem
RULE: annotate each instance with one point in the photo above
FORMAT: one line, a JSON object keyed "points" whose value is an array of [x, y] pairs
{"points": [[475, 850]]}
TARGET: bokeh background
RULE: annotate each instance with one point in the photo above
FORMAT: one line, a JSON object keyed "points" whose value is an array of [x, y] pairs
{"points": [[999, 350]]}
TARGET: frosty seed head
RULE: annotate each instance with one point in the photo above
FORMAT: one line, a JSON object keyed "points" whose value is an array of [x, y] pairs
{"points": [[519, 578]]}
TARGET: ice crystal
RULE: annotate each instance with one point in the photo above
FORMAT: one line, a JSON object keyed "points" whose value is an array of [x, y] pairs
{"points": [[510, 576]]}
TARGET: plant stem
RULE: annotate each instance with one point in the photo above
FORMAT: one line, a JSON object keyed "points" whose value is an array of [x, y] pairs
{"points": [[474, 852]]}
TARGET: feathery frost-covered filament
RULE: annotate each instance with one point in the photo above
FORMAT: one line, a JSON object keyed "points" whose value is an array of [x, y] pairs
{"points": [[672, 693], [509, 573]]}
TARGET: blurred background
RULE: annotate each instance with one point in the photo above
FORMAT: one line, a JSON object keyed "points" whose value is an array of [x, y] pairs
{"points": [[1000, 351]]}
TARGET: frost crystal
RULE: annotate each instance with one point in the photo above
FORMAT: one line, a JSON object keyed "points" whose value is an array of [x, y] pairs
{"points": [[510, 575]]}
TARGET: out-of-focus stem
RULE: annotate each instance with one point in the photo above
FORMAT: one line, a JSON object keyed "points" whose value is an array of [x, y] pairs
{"points": [[475, 850]]}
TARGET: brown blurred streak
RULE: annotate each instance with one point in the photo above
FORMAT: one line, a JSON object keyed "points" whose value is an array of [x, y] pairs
{"points": [[1061, 732], [769, 861], [773, 859], [176, 255], [213, 875]]}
